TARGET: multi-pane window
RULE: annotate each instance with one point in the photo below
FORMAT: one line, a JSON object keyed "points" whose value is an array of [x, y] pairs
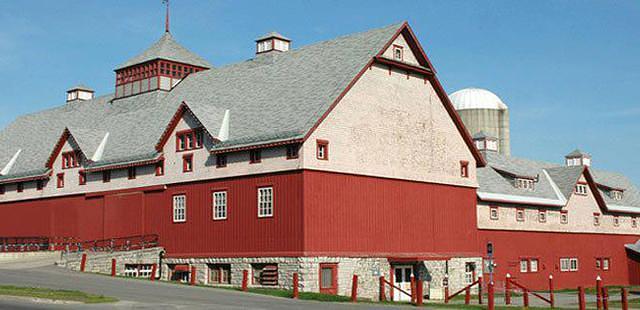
{"points": [[255, 156], [219, 205], [138, 270], [528, 265], [469, 272], [568, 264], [616, 194], [493, 213], [221, 160], [328, 278], [533, 265], [220, 274], [179, 208], [524, 265], [70, 160], [189, 139], [292, 151], [524, 184], [322, 149], [265, 201], [581, 189], [520, 215]]}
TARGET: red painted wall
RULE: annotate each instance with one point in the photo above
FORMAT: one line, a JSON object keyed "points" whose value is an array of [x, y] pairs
{"points": [[510, 246], [348, 214]]}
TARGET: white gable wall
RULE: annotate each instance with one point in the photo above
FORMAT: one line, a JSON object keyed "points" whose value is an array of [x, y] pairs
{"points": [[408, 55]]}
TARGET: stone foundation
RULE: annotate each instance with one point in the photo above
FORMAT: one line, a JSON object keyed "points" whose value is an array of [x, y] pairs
{"points": [[100, 262], [368, 270]]}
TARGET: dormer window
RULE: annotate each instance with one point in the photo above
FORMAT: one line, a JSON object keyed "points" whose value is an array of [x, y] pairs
{"points": [[523, 183], [615, 194], [189, 139], [272, 41], [70, 160]]}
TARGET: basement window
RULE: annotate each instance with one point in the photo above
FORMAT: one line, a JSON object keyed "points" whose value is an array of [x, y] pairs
{"points": [[220, 274], [329, 278], [265, 274]]}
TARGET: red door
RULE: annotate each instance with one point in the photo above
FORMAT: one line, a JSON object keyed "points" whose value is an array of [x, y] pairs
{"points": [[329, 278]]}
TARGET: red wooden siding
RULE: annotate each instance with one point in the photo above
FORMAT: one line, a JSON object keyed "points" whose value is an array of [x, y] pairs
{"points": [[348, 214], [123, 215], [510, 246]]}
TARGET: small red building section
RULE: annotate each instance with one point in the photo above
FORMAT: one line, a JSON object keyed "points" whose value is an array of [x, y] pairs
{"points": [[588, 251]]}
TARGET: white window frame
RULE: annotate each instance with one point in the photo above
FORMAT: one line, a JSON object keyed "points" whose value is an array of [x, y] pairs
{"points": [[179, 208], [524, 265], [265, 201], [219, 208], [525, 184], [581, 189], [605, 263], [573, 264], [616, 195], [533, 265], [518, 213], [564, 265]]}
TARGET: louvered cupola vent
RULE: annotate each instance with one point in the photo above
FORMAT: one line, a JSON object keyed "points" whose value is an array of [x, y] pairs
{"points": [[79, 93], [272, 41]]}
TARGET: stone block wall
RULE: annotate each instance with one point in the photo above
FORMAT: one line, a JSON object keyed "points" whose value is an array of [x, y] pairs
{"points": [[100, 262]]}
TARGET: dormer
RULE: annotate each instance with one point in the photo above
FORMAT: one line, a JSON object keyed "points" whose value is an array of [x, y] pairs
{"points": [[578, 158], [485, 142], [79, 93], [160, 67], [272, 41]]}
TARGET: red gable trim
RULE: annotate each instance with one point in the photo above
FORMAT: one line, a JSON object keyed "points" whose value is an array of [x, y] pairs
{"points": [[57, 148], [27, 179], [403, 66], [594, 189], [127, 165], [174, 122], [257, 146], [423, 60]]}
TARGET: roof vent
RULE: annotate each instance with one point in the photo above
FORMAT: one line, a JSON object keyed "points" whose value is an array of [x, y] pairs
{"points": [[79, 92], [272, 41], [578, 158]]}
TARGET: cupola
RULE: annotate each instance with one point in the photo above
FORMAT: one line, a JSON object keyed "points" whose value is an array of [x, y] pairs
{"points": [[578, 158], [485, 142], [79, 93], [272, 41]]}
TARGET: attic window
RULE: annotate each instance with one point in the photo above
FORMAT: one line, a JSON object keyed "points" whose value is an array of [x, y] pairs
{"points": [[581, 189], [520, 215], [564, 217], [255, 156], [596, 219], [616, 221], [70, 160], [60, 180], [189, 139], [524, 183], [464, 169], [221, 160], [398, 53], [1, 189], [20, 187], [615, 194], [322, 149]]}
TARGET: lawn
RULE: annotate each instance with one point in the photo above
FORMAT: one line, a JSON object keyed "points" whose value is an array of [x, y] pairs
{"points": [[59, 295]]}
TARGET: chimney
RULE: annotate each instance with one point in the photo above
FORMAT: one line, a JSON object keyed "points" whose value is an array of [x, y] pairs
{"points": [[272, 41], [578, 158], [79, 93]]}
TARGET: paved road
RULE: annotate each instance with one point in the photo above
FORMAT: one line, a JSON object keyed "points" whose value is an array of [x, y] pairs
{"points": [[139, 294]]}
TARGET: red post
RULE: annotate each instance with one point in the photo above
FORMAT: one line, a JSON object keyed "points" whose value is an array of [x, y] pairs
{"points": [[491, 301], [419, 292], [525, 298], [446, 294], [480, 290], [467, 295], [245, 280], [113, 267], [507, 290], [354, 288], [598, 292], [582, 303], [154, 269], [83, 262], [295, 285], [192, 278], [552, 300], [605, 298], [625, 298], [413, 289], [383, 296]]}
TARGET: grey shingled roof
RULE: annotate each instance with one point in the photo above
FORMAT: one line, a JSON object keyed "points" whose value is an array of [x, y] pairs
{"points": [[167, 48], [483, 135], [270, 98], [272, 34], [577, 153], [492, 180]]}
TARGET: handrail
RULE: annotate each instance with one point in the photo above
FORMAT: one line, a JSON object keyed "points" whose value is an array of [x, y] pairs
{"points": [[31, 244], [526, 290], [464, 289]]}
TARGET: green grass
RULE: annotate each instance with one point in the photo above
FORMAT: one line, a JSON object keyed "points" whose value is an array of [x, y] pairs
{"points": [[62, 295], [302, 295]]}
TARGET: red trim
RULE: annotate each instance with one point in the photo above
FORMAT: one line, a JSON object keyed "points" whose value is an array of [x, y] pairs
{"points": [[256, 146], [122, 166], [324, 144], [160, 168], [333, 290], [131, 173], [174, 122], [82, 178], [57, 148], [401, 48], [187, 162], [403, 66], [60, 180]]}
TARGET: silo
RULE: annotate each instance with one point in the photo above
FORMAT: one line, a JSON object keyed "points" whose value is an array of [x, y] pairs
{"points": [[482, 110]]}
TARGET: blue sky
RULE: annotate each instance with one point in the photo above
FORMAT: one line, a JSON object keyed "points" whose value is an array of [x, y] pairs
{"points": [[569, 70]]}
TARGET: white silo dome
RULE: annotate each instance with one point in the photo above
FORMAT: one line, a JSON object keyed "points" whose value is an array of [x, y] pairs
{"points": [[476, 98]]}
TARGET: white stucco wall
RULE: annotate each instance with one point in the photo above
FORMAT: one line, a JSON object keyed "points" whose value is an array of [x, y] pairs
{"points": [[408, 55], [392, 126], [580, 210]]}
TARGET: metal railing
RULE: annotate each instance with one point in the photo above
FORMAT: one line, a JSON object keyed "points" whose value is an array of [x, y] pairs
{"points": [[71, 244]]}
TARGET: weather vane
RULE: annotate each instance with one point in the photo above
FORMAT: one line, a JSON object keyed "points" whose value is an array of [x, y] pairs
{"points": [[166, 20]]}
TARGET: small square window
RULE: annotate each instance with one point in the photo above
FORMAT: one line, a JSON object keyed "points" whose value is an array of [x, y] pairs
{"points": [[542, 216], [106, 176], [520, 215], [493, 213], [187, 163], [60, 180], [322, 149], [464, 169], [221, 160], [292, 151], [255, 156], [398, 52]]}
